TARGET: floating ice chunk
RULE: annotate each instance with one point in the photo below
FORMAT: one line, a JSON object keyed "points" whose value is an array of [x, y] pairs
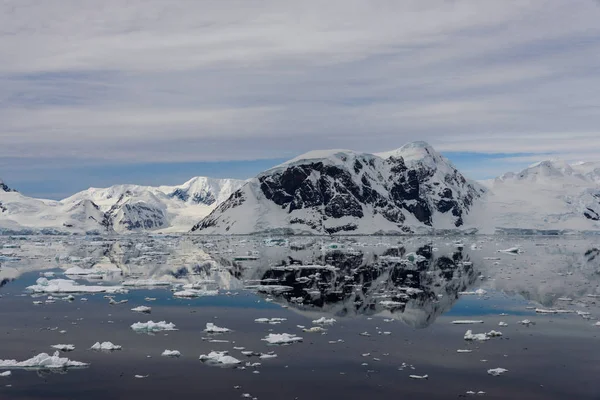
{"points": [[497, 371], [553, 311], [467, 322], [481, 337], [44, 285], [511, 250], [502, 324], [141, 376], [267, 356], [105, 346], [63, 347], [478, 292], [113, 302], [43, 361], [171, 353], [494, 333], [272, 321], [212, 328], [419, 376], [146, 282], [142, 309], [6, 374], [193, 293], [464, 351], [597, 323], [151, 326], [219, 358], [314, 329], [324, 321], [281, 338]]}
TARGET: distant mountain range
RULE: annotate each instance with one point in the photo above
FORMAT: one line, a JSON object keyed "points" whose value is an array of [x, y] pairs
{"points": [[410, 190]]}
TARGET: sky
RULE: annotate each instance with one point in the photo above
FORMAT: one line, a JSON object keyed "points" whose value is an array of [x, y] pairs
{"points": [[100, 92]]}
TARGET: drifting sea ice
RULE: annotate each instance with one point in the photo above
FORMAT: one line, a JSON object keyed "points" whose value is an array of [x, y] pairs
{"points": [[466, 322], [142, 309], [146, 282], [192, 293], [272, 321], [497, 371], [324, 321], [219, 358], [151, 326], [5, 374], [43, 361], [212, 328], [281, 338], [63, 347], [171, 353], [478, 292], [44, 285], [106, 346]]}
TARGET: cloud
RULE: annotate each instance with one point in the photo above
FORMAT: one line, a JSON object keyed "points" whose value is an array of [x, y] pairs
{"points": [[176, 81]]}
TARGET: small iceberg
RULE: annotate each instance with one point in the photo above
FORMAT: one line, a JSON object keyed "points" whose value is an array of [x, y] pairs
{"points": [[43, 361], [53, 286], [324, 321], [142, 309], [497, 371], [105, 346], [193, 293], [171, 353], [151, 326], [219, 358], [63, 347], [272, 321], [282, 338], [212, 328]]}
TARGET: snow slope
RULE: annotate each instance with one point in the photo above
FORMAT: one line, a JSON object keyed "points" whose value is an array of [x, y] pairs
{"points": [[120, 208], [547, 195], [408, 190]]}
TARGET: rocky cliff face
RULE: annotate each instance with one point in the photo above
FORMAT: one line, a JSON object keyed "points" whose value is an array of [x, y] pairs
{"points": [[402, 191]]}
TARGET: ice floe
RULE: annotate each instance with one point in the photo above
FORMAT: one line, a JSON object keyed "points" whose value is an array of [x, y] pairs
{"points": [[272, 321], [219, 358], [44, 285], [63, 347], [478, 292], [105, 346], [171, 353], [43, 361], [281, 338], [151, 326], [324, 321], [497, 371], [212, 328], [142, 309]]}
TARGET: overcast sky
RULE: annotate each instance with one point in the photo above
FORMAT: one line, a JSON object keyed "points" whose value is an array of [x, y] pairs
{"points": [[96, 92]]}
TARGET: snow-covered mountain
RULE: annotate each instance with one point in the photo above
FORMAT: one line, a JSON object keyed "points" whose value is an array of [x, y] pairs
{"points": [[19, 213], [412, 189], [548, 195], [120, 208]]}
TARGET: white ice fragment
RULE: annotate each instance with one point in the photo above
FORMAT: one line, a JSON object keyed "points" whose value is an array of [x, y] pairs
{"points": [[63, 347], [44, 285], [526, 322], [502, 324], [481, 337], [142, 309], [171, 353], [272, 321], [105, 346], [6, 374], [281, 338], [419, 376], [464, 351], [212, 328], [43, 361], [193, 293], [324, 321], [314, 329], [219, 358], [152, 326], [494, 333], [141, 376], [511, 250], [497, 371]]}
